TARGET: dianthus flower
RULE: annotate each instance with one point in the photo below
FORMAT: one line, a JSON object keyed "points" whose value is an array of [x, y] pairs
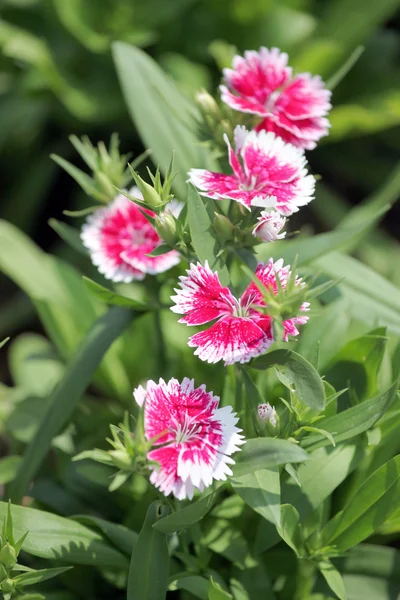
{"points": [[243, 328], [267, 172], [269, 226], [294, 107], [119, 238], [193, 439]]}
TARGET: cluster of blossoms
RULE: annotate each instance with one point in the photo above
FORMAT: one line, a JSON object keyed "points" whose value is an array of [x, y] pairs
{"points": [[191, 439]]}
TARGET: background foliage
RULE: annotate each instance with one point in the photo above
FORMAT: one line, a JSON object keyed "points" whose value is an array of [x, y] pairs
{"points": [[57, 77]]}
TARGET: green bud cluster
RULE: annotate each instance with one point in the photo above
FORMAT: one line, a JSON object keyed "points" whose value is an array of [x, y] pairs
{"points": [[108, 167]]}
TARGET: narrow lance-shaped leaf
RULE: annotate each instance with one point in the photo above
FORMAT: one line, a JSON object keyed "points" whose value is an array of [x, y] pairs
{"points": [[187, 516], [263, 453], [261, 490], [34, 577], [148, 571], [69, 234], [69, 391], [297, 371], [333, 578]]}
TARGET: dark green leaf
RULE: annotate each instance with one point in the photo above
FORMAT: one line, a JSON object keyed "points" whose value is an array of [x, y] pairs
{"points": [[121, 537], [297, 371], [148, 571], [8, 468], [333, 578], [289, 527]]}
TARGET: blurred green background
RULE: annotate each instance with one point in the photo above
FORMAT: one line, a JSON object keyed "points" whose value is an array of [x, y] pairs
{"points": [[57, 77]]}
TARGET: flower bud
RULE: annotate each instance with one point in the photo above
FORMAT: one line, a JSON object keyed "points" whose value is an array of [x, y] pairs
{"points": [[267, 414], [223, 227], [121, 459], [207, 103], [8, 556], [150, 196], [269, 226], [7, 585], [166, 228]]}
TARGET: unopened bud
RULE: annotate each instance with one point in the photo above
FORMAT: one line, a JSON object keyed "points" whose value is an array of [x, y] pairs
{"points": [[121, 459], [267, 414], [207, 103], [223, 227], [150, 196], [269, 226], [7, 585], [8, 556], [166, 228]]}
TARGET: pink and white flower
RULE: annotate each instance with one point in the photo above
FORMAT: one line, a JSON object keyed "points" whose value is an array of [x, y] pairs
{"points": [[193, 439], [294, 107], [267, 413], [243, 328], [269, 226], [119, 238], [267, 172]]}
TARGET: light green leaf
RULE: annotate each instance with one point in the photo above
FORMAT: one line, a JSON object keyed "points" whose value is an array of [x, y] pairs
{"points": [[69, 391], [148, 571], [366, 510], [34, 577], [113, 298], [345, 68], [8, 468], [163, 117], [186, 516], [204, 238], [263, 453], [333, 578], [4, 342], [54, 537], [69, 234], [297, 371], [354, 420], [261, 490], [215, 592]]}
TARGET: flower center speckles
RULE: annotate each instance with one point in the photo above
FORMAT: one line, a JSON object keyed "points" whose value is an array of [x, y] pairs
{"points": [[249, 184]]}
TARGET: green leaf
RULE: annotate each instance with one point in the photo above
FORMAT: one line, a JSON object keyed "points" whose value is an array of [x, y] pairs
{"points": [[261, 490], [297, 371], [8, 468], [215, 592], [357, 364], [354, 420], [186, 516], [68, 393], [34, 577], [333, 578], [345, 68], [69, 234], [113, 298], [54, 537], [204, 238], [196, 585], [163, 117], [148, 571], [367, 509], [370, 294], [81, 213], [319, 476], [306, 250], [121, 537], [289, 527], [263, 453]]}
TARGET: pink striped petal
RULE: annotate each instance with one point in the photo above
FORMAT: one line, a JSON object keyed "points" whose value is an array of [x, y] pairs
{"points": [[201, 297], [231, 339]]}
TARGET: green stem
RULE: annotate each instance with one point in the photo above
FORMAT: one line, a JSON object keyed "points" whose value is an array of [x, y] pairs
{"points": [[68, 393], [305, 579]]}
